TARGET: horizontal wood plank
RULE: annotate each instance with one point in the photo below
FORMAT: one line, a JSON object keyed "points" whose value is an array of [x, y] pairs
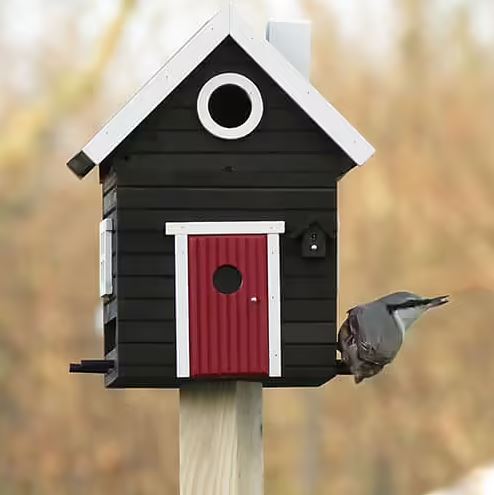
{"points": [[227, 178], [213, 198], [146, 265], [146, 309], [125, 378], [304, 311], [298, 376], [146, 331], [160, 265], [154, 220], [158, 354], [186, 95], [164, 332], [145, 242], [110, 311], [309, 310], [296, 310], [153, 163], [164, 287], [309, 355], [186, 119], [203, 142], [143, 354], [324, 268], [309, 288], [309, 333], [163, 377], [146, 287], [164, 371], [109, 182]]}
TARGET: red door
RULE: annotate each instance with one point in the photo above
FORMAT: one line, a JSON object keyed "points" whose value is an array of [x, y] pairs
{"points": [[228, 304]]}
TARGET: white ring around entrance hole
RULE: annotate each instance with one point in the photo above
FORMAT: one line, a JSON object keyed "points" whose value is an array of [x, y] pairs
{"points": [[251, 91]]}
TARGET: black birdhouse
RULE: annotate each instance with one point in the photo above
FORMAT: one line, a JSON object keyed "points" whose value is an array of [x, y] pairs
{"points": [[219, 232]]}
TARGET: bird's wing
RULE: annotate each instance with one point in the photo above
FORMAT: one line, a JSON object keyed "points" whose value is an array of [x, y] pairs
{"points": [[378, 337]]}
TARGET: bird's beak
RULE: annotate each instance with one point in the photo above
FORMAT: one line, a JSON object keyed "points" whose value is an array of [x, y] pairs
{"points": [[438, 301]]}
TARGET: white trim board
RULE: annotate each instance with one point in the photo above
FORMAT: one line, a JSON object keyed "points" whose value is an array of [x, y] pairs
{"points": [[274, 305], [224, 228], [182, 305], [181, 231], [226, 23], [105, 257]]}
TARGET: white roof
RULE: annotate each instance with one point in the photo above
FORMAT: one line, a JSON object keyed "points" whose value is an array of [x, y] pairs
{"points": [[226, 23]]}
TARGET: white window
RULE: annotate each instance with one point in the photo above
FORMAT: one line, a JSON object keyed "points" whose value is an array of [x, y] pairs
{"points": [[230, 106], [105, 257]]}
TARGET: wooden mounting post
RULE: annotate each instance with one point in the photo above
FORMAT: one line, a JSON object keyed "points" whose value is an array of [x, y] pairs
{"points": [[221, 447]]}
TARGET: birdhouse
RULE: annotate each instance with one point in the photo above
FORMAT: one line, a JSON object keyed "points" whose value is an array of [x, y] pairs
{"points": [[219, 238]]}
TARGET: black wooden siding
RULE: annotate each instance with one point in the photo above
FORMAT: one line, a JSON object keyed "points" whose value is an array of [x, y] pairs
{"points": [[172, 170]]}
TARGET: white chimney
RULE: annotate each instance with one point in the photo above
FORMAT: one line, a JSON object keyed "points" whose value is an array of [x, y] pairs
{"points": [[293, 40]]}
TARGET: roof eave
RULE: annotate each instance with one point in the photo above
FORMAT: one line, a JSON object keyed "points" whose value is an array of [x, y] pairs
{"points": [[81, 164], [226, 23]]}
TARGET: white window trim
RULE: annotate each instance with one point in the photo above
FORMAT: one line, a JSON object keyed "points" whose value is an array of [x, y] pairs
{"points": [[181, 232], [252, 92], [105, 258]]}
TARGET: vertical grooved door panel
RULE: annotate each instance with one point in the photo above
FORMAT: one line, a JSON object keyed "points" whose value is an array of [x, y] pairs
{"points": [[228, 304]]}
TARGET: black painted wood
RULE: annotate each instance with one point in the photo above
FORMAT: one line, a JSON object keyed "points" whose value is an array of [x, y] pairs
{"points": [[296, 310], [154, 220], [230, 178], [147, 354], [162, 378], [163, 286], [300, 376], [146, 309], [147, 332], [151, 164], [309, 310], [146, 265], [109, 181], [308, 333], [309, 288], [306, 142], [164, 332], [164, 265], [214, 198], [145, 242], [110, 311], [183, 119], [310, 355]]}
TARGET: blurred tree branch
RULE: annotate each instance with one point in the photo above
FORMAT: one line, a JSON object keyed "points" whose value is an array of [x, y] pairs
{"points": [[27, 127]]}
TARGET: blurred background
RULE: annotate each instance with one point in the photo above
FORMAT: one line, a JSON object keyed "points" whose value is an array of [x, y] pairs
{"points": [[416, 77]]}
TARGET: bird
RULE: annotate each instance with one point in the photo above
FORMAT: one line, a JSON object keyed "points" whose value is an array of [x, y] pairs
{"points": [[373, 333]]}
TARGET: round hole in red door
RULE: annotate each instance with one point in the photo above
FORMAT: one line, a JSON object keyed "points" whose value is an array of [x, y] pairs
{"points": [[227, 279]]}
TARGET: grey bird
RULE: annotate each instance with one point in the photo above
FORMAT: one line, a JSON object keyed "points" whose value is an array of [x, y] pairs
{"points": [[373, 333]]}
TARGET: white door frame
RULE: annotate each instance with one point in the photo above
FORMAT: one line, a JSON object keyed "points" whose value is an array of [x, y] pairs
{"points": [[181, 231]]}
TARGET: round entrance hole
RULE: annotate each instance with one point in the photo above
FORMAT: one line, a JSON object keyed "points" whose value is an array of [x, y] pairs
{"points": [[227, 279], [230, 106]]}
